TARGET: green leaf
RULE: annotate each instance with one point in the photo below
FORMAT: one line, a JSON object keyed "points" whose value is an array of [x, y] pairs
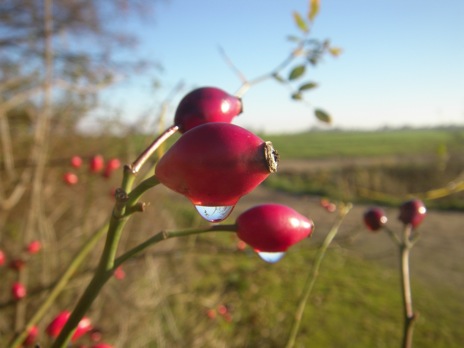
{"points": [[297, 72], [300, 22], [307, 85], [297, 96], [314, 6], [323, 116], [277, 77]]}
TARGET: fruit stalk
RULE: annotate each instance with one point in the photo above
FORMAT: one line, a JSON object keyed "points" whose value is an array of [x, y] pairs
{"points": [[409, 316], [312, 276], [150, 150]]}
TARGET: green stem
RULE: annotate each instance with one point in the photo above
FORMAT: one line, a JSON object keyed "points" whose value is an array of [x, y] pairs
{"points": [[312, 276], [61, 284], [163, 235], [408, 312]]}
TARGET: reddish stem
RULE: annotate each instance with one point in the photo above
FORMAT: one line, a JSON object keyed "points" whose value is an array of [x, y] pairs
{"points": [[143, 157]]}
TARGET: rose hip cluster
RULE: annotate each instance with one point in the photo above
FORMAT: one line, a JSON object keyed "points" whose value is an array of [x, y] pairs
{"points": [[96, 165], [411, 213], [17, 264], [214, 163]]}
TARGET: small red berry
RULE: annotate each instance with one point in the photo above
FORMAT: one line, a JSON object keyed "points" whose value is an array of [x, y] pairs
{"points": [[83, 327], [412, 212], [57, 324], [204, 105], [222, 310], [111, 166], [76, 161], [119, 273], [32, 334], [18, 290], [17, 264], [211, 313], [54, 328], [2, 258], [272, 227], [96, 163], [241, 245], [34, 247], [375, 218], [70, 178], [216, 163]]}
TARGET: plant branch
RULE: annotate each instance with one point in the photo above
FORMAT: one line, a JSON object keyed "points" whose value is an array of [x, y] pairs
{"points": [[61, 284], [150, 150], [409, 316], [313, 274], [164, 235]]}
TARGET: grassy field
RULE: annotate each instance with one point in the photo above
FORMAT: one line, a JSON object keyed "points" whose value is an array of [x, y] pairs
{"points": [[382, 167], [170, 292], [367, 144]]}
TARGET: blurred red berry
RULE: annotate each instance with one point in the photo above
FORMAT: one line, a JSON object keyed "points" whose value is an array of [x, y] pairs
{"points": [[222, 310], [32, 334], [331, 207], [112, 165], [17, 264], [375, 218], [324, 202], [76, 161], [96, 163], [412, 212], [211, 313], [18, 290], [95, 335], [54, 328], [119, 273], [241, 245], [2, 258], [34, 247], [70, 178], [83, 327]]}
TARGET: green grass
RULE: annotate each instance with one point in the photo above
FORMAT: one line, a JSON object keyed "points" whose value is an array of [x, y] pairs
{"points": [[318, 144], [355, 303]]}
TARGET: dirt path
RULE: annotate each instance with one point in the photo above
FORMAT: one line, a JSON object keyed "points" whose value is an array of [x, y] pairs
{"points": [[437, 258]]}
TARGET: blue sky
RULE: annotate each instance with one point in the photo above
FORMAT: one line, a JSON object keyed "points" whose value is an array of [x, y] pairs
{"points": [[402, 61]]}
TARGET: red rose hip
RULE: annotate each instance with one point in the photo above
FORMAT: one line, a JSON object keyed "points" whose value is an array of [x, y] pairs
{"points": [[206, 104], [18, 290], [273, 228], [375, 218], [96, 163], [70, 178], [214, 165], [412, 212]]}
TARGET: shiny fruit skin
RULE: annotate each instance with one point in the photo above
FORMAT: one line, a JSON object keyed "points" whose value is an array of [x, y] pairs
{"points": [[204, 105], [214, 164], [273, 227], [412, 212], [374, 218]]}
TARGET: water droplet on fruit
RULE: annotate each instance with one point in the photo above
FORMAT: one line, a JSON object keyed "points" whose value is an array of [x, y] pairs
{"points": [[214, 214], [271, 257]]}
